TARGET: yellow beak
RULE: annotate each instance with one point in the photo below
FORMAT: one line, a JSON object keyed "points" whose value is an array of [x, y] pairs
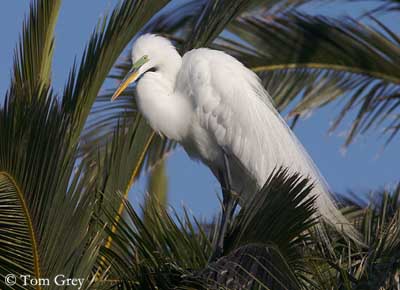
{"points": [[131, 77]]}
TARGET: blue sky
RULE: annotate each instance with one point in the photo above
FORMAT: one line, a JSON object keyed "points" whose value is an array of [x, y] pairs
{"points": [[363, 167]]}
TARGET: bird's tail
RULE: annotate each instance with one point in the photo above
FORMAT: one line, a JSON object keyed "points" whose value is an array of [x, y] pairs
{"points": [[289, 152], [330, 214], [326, 206]]}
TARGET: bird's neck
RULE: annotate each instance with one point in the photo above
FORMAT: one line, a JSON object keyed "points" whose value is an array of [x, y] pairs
{"points": [[169, 69], [165, 109]]}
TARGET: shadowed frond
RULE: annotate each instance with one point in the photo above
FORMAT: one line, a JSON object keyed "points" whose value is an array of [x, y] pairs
{"points": [[267, 233], [168, 251], [274, 213], [253, 266]]}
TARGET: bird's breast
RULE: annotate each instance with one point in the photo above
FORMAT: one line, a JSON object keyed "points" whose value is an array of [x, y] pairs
{"points": [[200, 145]]}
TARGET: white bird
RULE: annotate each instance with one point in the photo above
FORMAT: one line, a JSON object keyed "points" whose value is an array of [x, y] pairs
{"points": [[220, 113]]}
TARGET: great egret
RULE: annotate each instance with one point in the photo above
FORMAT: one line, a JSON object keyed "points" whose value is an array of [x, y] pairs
{"points": [[220, 113]]}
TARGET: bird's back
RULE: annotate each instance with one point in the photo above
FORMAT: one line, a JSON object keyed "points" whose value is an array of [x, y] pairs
{"points": [[234, 114]]}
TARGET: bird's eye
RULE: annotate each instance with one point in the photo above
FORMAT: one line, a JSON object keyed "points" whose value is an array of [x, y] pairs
{"points": [[153, 69]]}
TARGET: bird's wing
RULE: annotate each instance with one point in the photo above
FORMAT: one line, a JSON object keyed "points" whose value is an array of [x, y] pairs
{"points": [[234, 108], [236, 111]]}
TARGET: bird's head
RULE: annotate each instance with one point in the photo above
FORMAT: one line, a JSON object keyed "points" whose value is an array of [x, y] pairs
{"points": [[149, 53]]}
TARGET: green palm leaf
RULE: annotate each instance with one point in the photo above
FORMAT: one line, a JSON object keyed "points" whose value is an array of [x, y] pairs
{"points": [[33, 55], [160, 253], [50, 207]]}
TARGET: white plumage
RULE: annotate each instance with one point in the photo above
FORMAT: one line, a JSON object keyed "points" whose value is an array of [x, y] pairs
{"points": [[213, 105]]}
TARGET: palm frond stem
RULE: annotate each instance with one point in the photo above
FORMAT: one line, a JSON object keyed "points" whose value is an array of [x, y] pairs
{"points": [[134, 175], [337, 67], [35, 250]]}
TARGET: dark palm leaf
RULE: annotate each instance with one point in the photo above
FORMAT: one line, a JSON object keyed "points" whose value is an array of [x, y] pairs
{"points": [[274, 214], [115, 168], [253, 266], [270, 227], [216, 15]]}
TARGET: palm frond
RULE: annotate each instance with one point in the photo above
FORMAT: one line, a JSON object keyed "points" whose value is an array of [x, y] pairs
{"points": [[375, 267], [162, 253], [386, 6], [117, 166], [274, 213], [320, 60], [253, 266], [49, 205], [115, 169], [267, 232], [34, 53], [216, 15], [213, 20], [18, 245]]}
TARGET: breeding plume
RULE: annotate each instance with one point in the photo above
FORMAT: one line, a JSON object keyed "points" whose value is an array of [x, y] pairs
{"points": [[220, 113]]}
